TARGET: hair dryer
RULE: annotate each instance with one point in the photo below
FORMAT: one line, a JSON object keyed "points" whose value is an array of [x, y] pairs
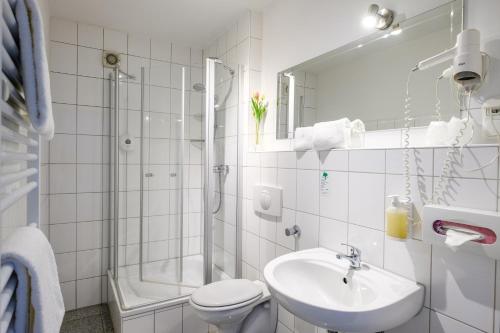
{"points": [[467, 59]]}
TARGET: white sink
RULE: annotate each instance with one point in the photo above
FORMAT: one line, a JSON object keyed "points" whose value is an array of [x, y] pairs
{"points": [[315, 286]]}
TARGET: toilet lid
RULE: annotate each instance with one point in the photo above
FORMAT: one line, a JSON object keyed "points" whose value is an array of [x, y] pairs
{"points": [[226, 293]]}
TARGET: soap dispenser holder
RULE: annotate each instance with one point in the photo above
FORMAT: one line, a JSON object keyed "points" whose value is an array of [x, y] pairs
{"points": [[437, 220]]}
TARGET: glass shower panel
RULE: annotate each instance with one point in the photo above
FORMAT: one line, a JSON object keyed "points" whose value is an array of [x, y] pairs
{"points": [[224, 91], [127, 147], [168, 256], [119, 144]]}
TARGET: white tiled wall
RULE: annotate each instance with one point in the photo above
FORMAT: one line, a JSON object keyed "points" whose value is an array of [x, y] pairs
{"points": [[78, 157], [460, 287]]}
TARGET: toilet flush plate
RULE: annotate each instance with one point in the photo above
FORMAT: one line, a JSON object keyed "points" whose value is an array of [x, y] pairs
{"points": [[267, 199]]}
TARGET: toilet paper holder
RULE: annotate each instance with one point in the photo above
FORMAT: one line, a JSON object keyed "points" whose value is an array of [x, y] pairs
{"points": [[437, 220]]}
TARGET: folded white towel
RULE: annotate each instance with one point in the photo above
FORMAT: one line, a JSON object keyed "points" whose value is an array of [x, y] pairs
{"points": [[437, 133], [331, 134], [457, 126], [356, 137], [303, 139], [445, 133], [31, 254], [35, 69], [358, 126]]}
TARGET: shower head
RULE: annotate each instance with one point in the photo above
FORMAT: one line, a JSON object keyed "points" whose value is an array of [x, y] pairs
{"points": [[218, 61], [112, 60], [199, 87], [231, 71]]}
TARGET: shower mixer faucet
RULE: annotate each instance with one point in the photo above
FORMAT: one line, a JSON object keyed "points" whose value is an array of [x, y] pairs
{"points": [[221, 168]]}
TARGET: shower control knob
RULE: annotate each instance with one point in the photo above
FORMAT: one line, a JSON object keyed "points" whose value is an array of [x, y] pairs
{"points": [[149, 174], [173, 174]]}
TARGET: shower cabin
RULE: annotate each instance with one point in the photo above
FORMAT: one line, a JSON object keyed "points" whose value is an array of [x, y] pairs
{"points": [[173, 180]]}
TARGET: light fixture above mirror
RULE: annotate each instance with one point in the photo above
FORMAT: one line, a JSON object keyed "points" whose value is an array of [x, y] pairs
{"points": [[380, 18]]}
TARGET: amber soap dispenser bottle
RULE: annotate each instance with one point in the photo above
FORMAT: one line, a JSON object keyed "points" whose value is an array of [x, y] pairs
{"points": [[397, 219]]}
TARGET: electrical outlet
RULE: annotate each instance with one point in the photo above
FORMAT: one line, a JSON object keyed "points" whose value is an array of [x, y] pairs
{"points": [[491, 117]]}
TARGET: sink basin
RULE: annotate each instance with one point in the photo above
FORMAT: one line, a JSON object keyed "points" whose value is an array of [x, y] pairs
{"points": [[319, 288]]}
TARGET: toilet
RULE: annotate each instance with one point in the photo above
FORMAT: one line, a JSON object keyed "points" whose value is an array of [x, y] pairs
{"points": [[236, 306]]}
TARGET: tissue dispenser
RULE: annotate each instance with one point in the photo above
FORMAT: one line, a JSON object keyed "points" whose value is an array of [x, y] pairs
{"points": [[437, 220]]}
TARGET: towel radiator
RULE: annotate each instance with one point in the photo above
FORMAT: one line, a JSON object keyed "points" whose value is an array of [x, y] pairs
{"points": [[19, 155], [19, 142], [8, 284]]}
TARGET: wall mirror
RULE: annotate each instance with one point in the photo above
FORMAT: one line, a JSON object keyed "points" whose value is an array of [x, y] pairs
{"points": [[366, 79]]}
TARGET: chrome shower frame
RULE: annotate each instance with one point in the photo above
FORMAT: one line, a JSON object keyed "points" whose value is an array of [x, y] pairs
{"points": [[181, 175], [141, 183], [116, 172], [209, 162]]}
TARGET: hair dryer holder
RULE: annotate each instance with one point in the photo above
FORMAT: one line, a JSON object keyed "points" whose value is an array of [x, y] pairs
{"points": [[437, 220]]}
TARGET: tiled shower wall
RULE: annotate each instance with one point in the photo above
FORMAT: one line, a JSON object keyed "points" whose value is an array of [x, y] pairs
{"points": [[77, 161], [461, 288]]}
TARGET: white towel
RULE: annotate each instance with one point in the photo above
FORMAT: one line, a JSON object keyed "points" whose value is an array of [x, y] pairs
{"points": [[331, 134], [35, 70], [445, 133], [303, 139], [30, 252], [357, 132], [457, 126]]}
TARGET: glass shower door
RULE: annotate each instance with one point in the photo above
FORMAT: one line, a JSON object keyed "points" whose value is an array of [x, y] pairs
{"points": [[157, 216], [171, 258], [221, 221]]}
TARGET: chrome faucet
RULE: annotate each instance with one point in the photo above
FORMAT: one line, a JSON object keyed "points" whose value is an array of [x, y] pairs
{"points": [[354, 257]]}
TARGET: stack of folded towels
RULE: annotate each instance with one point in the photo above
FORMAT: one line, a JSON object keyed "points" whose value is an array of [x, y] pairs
{"points": [[454, 132], [341, 133]]}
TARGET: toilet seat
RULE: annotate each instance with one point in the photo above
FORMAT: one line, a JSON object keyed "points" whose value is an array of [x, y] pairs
{"points": [[226, 294]]}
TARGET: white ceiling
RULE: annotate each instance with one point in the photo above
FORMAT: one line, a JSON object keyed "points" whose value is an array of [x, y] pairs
{"points": [[191, 22]]}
